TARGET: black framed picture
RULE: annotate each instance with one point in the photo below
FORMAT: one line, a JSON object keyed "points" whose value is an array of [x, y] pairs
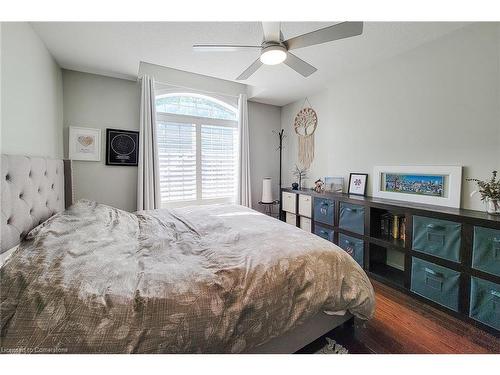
{"points": [[122, 147], [357, 183]]}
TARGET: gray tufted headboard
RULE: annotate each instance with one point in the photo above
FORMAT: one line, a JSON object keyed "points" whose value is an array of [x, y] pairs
{"points": [[33, 189]]}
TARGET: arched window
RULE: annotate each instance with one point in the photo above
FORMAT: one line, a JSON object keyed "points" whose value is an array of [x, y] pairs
{"points": [[198, 149], [195, 105]]}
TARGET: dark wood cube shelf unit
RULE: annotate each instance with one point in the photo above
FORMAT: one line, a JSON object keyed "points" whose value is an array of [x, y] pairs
{"points": [[446, 257]]}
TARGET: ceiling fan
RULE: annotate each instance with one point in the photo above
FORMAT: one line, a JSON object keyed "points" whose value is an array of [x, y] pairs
{"points": [[274, 50]]}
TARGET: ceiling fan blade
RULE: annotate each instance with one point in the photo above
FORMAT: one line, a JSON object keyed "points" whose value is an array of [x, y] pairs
{"points": [[299, 65], [327, 34], [272, 31], [222, 47], [250, 70]]}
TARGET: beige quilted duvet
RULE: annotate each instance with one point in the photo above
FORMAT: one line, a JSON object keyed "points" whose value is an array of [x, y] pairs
{"points": [[209, 279]]}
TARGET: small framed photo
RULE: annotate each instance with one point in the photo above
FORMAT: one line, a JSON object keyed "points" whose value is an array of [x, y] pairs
{"points": [[122, 147], [334, 184], [357, 183], [84, 143]]}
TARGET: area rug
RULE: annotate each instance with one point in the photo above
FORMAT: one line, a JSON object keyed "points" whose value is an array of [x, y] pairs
{"points": [[332, 348]]}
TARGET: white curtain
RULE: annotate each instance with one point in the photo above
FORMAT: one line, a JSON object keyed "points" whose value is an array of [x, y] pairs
{"points": [[244, 188], [148, 186]]}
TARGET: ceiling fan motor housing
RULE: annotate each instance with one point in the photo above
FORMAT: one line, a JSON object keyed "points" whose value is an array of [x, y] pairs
{"points": [[273, 53]]}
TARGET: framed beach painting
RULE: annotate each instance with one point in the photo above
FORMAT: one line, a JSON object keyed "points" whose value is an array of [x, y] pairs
{"points": [[437, 184], [84, 143]]}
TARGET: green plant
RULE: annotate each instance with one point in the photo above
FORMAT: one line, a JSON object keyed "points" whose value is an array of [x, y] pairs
{"points": [[487, 189]]}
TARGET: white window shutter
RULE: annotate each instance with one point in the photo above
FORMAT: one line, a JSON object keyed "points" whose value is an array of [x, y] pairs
{"points": [[177, 155], [219, 162]]}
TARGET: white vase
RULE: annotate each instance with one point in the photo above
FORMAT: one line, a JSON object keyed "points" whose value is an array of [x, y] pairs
{"points": [[493, 206]]}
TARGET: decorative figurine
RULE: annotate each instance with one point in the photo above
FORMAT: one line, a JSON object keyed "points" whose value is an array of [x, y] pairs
{"points": [[319, 186], [295, 186]]}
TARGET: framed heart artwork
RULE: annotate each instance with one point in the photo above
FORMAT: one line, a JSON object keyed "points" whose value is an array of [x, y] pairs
{"points": [[84, 144]]}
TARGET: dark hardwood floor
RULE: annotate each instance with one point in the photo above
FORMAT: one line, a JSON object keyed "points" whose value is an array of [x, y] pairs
{"points": [[404, 325]]}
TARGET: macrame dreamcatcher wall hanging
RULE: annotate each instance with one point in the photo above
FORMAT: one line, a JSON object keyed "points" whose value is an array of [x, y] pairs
{"points": [[305, 124]]}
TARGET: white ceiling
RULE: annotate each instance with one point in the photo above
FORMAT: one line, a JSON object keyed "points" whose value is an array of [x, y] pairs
{"points": [[116, 48]]}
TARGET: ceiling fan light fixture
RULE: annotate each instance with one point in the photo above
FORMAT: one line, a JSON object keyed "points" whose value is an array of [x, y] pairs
{"points": [[273, 55]]}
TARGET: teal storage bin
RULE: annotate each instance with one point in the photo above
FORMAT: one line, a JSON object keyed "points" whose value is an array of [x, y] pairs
{"points": [[485, 302], [486, 250], [324, 210], [440, 238], [353, 246], [437, 283], [352, 217], [324, 232]]}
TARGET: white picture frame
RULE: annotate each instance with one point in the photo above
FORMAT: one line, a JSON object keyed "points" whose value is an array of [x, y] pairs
{"points": [[449, 177], [84, 143]]}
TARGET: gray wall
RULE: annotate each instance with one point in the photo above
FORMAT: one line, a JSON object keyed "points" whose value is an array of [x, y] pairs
{"points": [[101, 102], [32, 117], [438, 104], [264, 157]]}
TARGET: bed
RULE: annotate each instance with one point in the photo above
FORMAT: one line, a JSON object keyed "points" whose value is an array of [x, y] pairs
{"points": [[90, 278]]}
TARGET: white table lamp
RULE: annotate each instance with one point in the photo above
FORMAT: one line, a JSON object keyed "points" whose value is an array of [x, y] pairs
{"points": [[267, 193]]}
